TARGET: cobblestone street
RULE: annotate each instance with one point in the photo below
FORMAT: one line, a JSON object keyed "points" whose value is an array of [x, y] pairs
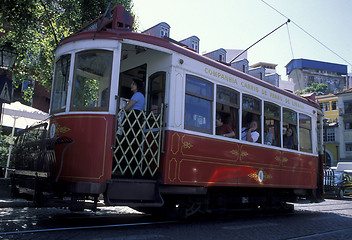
{"points": [[330, 219]]}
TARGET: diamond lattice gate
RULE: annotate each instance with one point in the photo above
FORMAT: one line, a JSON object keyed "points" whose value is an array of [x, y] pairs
{"points": [[137, 143]]}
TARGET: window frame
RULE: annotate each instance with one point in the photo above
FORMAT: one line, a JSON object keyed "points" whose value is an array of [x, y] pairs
{"points": [[290, 124], [277, 121], [152, 92], [347, 121], [330, 135], [91, 109], [69, 56], [235, 125], [202, 97], [348, 144], [301, 136], [348, 103], [257, 113]]}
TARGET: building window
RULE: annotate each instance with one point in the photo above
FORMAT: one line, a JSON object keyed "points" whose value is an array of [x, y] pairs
{"points": [[195, 45], [330, 135], [327, 106], [310, 80], [348, 124], [198, 105], [221, 57], [348, 107], [164, 32], [348, 147], [244, 68]]}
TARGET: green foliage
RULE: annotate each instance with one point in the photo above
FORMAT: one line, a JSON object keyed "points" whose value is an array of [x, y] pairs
{"points": [[90, 90], [317, 88], [4, 149], [34, 27]]}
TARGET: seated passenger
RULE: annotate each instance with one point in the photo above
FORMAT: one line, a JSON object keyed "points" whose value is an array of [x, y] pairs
{"points": [[288, 139], [268, 138], [223, 129], [250, 134]]}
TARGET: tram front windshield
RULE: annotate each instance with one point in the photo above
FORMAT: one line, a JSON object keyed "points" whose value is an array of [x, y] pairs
{"points": [[90, 85]]}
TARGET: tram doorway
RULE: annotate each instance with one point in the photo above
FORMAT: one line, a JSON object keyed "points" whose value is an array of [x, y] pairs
{"points": [[138, 134]]}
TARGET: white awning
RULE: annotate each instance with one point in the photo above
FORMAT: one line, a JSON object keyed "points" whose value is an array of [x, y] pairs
{"points": [[24, 115]]}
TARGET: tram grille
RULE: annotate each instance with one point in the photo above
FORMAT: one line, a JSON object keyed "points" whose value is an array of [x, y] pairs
{"points": [[32, 151], [137, 143]]}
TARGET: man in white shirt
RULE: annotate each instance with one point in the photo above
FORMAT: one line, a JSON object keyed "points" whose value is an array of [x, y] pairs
{"points": [[250, 134]]}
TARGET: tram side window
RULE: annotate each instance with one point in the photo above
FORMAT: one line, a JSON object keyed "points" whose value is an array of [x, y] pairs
{"points": [[227, 105], [91, 86], [62, 71], [272, 118], [305, 133], [251, 118], [198, 105], [289, 129], [156, 92]]}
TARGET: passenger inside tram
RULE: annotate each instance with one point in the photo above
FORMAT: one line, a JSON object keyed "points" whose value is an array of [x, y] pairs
{"points": [[250, 133], [223, 129], [289, 139], [251, 128], [268, 135]]}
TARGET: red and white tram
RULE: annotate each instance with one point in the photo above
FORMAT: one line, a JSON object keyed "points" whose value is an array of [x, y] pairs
{"points": [[177, 163]]}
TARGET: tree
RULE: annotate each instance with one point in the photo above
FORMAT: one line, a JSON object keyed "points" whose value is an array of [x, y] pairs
{"points": [[317, 88], [4, 151], [35, 27]]}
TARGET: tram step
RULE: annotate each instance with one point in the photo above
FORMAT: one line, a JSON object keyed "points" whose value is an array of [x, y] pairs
{"points": [[133, 193]]}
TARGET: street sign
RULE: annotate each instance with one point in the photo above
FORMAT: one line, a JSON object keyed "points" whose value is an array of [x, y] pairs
{"points": [[5, 89]]}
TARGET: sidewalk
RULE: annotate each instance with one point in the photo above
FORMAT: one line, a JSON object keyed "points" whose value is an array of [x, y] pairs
{"points": [[5, 196]]}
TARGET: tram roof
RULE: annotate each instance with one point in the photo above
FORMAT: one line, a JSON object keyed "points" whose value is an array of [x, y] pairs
{"points": [[126, 33]]}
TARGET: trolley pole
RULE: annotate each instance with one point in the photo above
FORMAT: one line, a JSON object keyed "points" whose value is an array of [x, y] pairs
{"points": [[288, 20]]}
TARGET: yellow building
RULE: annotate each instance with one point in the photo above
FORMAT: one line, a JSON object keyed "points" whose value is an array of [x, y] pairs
{"points": [[331, 114], [329, 104]]}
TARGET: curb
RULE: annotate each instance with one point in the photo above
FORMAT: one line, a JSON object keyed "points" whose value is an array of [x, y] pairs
{"points": [[15, 203]]}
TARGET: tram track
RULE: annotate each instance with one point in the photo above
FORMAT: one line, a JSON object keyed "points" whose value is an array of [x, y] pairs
{"points": [[34, 222], [122, 225]]}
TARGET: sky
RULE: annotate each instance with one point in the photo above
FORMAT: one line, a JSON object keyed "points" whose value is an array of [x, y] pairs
{"points": [[237, 24]]}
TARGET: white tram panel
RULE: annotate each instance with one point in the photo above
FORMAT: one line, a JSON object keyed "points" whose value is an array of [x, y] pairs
{"points": [[184, 65]]}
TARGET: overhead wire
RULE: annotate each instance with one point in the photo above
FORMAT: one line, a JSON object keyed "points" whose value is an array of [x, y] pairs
{"points": [[289, 39], [306, 32]]}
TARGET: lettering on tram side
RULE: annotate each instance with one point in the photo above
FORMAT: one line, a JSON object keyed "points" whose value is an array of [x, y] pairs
{"points": [[250, 87], [253, 87], [220, 75]]}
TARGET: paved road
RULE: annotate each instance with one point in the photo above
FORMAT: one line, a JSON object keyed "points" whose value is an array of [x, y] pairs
{"points": [[331, 219]]}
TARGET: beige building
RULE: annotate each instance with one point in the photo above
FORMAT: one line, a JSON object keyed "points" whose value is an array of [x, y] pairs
{"points": [[328, 104], [344, 106]]}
